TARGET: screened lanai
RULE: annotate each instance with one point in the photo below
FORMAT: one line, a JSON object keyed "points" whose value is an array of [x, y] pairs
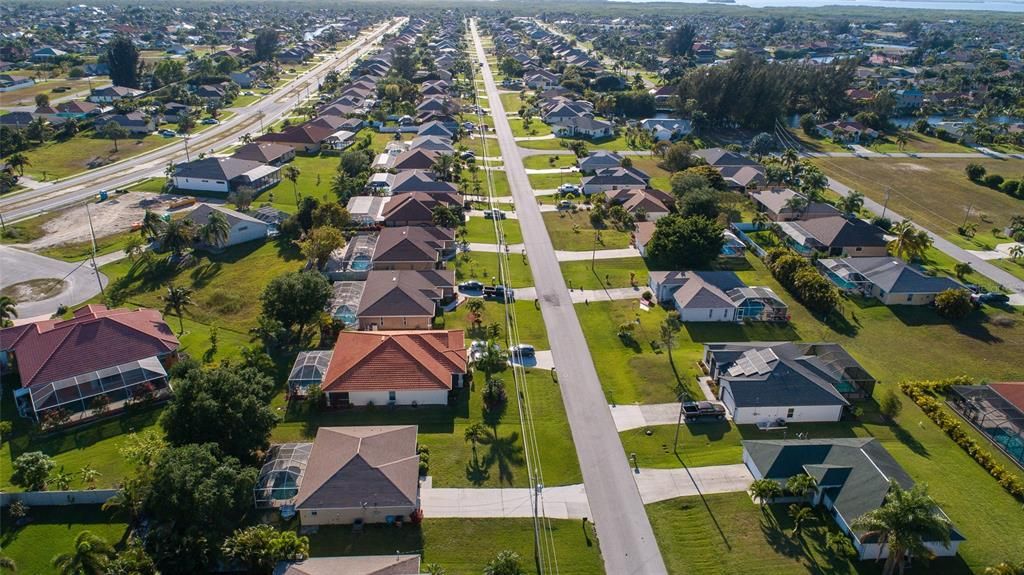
{"points": [[986, 409], [280, 476], [75, 394], [344, 302], [309, 369]]}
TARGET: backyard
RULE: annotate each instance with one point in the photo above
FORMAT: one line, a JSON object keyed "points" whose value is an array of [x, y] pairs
{"points": [[52, 531], [573, 231]]}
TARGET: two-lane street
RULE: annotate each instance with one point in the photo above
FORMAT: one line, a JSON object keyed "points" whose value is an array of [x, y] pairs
{"points": [[627, 541]]}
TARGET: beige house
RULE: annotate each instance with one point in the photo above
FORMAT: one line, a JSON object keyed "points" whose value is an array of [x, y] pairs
{"points": [[368, 474], [403, 299]]}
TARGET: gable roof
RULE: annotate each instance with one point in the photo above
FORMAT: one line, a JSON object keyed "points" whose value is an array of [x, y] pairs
{"points": [[839, 231], [398, 293], [419, 181], [264, 152], [95, 338], [417, 206], [351, 467], [215, 168], [415, 159], [201, 215], [774, 199], [411, 244], [719, 157], [368, 360], [893, 275]]}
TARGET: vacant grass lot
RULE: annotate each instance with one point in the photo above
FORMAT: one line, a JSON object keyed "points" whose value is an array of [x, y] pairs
{"points": [[934, 192], [660, 178], [498, 181], [512, 101], [444, 541], [483, 266], [544, 162], [1014, 267], [616, 273], [26, 230], [700, 444], [498, 462], [481, 230], [527, 318], [536, 128], [78, 251], [60, 159], [552, 181], [816, 143], [52, 531], [573, 231], [916, 143], [27, 96]]}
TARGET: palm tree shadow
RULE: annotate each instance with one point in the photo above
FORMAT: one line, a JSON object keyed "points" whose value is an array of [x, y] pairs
{"points": [[476, 472], [204, 274], [505, 452]]}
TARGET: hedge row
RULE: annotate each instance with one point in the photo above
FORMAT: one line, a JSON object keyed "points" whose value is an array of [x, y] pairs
{"points": [[923, 394]]}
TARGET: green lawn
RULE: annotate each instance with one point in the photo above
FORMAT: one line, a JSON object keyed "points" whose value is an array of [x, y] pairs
{"points": [[916, 142], [498, 179], [511, 101], [544, 162], [660, 178], [934, 192], [616, 273], [464, 546], [26, 230], [1014, 267], [483, 266], [552, 181], [700, 444], [573, 231], [26, 96], [152, 185], [61, 159], [816, 143], [481, 230], [243, 101], [499, 461], [78, 251], [52, 531], [612, 144], [315, 173], [536, 128], [527, 317]]}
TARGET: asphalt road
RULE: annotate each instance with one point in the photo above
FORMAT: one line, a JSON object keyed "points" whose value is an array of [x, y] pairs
{"points": [[21, 266], [627, 541], [121, 174]]}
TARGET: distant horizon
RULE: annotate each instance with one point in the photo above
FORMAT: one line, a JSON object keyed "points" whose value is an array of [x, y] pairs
{"points": [[949, 5]]}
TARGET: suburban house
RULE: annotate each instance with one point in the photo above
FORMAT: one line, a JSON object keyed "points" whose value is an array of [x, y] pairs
{"points": [[408, 181], [119, 354], [853, 476], [225, 175], [173, 111], [666, 129], [908, 98], [243, 228], [265, 153], [136, 123], [77, 109], [10, 82], [582, 127], [416, 208], [836, 236], [888, 279], [701, 296], [643, 204], [775, 203], [403, 299], [415, 159], [47, 54], [739, 172], [413, 248], [611, 179], [847, 131], [111, 94], [598, 160], [366, 210], [664, 97], [366, 474], [364, 365], [395, 564], [778, 382]]}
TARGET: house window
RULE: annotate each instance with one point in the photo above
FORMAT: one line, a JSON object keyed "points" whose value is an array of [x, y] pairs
{"points": [[857, 249], [392, 396], [910, 297], [710, 311], [790, 412]]}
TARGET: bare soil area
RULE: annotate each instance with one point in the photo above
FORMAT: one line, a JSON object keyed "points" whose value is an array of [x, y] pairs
{"points": [[33, 290]]}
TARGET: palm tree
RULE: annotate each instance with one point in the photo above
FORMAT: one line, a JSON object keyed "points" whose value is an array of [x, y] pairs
{"points": [[1016, 252], [796, 204], [901, 140], [909, 243], [7, 310], [90, 556], [152, 225], [178, 236], [906, 520], [18, 162], [291, 173], [475, 307], [215, 231], [763, 490], [247, 138], [444, 167], [178, 298], [1006, 568], [134, 246], [799, 514], [761, 219], [89, 475], [130, 498], [961, 269], [790, 158], [801, 484], [851, 203], [7, 564], [476, 433]]}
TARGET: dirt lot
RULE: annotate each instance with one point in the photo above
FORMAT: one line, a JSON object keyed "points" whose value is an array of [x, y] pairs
{"points": [[113, 216]]}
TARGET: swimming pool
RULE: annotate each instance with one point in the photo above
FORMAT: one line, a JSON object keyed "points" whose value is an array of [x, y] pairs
{"points": [[842, 283], [361, 263], [1013, 444]]}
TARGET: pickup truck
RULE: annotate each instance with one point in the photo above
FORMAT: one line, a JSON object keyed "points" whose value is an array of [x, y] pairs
{"points": [[496, 292], [698, 410]]}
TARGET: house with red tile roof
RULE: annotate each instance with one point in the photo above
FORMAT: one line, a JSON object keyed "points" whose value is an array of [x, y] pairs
{"points": [[66, 364], [395, 367]]}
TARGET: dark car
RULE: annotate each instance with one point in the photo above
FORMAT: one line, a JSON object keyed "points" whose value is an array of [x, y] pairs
{"points": [[992, 298], [498, 292], [471, 285], [698, 410]]}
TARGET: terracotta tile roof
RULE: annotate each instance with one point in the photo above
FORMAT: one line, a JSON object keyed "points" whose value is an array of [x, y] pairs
{"points": [[96, 338], [1011, 391], [361, 466], [369, 360]]}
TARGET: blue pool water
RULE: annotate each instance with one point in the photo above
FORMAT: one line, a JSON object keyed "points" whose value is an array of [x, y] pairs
{"points": [[1013, 444], [361, 263], [728, 250], [844, 284]]}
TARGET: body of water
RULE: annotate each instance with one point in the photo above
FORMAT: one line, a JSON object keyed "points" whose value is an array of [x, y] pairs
{"points": [[980, 5]]}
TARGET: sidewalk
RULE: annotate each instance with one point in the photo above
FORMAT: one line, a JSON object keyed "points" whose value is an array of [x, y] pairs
{"points": [[579, 256]]}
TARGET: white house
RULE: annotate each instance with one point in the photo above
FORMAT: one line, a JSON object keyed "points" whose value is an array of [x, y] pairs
{"points": [[665, 129], [243, 228], [224, 175], [707, 296], [852, 475]]}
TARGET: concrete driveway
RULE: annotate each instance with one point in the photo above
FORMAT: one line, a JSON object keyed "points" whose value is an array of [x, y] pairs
{"points": [[18, 266]]}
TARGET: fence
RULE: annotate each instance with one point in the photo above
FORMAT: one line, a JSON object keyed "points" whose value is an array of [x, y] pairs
{"points": [[58, 498], [741, 228]]}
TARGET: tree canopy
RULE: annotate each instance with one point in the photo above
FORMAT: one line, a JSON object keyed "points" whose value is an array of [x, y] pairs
{"points": [[123, 61], [296, 299], [682, 242]]}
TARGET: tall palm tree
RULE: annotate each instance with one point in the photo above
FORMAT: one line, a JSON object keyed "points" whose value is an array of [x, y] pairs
{"points": [[475, 433], [761, 219], [800, 514], [18, 162], [801, 484], [134, 246], [763, 490], [904, 522], [901, 140], [291, 173], [851, 203], [178, 298], [215, 231], [797, 204], [7, 310], [130, 497], [152, 225], [177, 236], [475, 307], [89, 557], [1016, 252], [790, 158], [444, 167], [909, 243]]}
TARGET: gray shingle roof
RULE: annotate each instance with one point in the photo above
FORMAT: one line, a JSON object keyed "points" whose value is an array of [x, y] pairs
{"points": [[895, 276]]}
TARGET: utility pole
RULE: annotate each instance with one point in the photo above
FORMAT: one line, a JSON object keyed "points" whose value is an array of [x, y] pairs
{"points": [[968, 216], [187, 158], [92, 234], [885, 206]]}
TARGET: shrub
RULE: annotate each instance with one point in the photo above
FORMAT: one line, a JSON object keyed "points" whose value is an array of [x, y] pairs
{"points": [[884, 223], [494, 393], [5, 429], [1010, 187], [975, 172], [993, 181], [954, 304], [31, 470]]}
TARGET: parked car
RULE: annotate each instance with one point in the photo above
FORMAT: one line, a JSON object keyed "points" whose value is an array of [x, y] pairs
{"points": [[497, 292], [523, 351], [991, 298], [566, 205], [568, 189], [168, 133], [468, 156], [210, 121], [471, 285], [469, 126], [495, 214], [698, 410]]}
